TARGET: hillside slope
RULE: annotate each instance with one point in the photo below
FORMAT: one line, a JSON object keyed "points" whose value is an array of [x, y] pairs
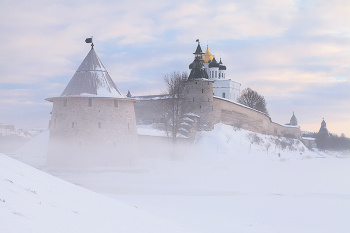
{"points": [[32, 201]]}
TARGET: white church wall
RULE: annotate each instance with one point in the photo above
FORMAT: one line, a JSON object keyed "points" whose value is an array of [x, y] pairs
{"points": [[226, 88]]}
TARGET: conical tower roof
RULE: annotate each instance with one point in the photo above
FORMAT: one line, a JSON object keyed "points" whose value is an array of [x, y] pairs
{"points": [[91, 80], [293, 120]]}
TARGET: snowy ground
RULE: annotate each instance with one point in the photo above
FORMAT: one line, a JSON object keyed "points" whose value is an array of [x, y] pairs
{"points": [[224, 184], [32, 201]]}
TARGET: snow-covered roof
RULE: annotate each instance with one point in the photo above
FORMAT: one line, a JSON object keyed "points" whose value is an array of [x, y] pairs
{"points": [[91, 80]]}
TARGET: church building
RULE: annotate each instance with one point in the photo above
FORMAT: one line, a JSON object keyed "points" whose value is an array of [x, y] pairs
{"points": [[222, 87], [92, 123]]}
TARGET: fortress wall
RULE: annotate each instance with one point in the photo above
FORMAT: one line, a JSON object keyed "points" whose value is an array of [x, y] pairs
{"points": [[75, 142], [149, 111], [117, 122], [231, 113]]}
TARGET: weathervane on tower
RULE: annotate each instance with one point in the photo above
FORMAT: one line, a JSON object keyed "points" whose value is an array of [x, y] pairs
{"points": [[89, 40]]}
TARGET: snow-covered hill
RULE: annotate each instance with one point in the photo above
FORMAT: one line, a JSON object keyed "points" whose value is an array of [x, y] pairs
{"points": [[32, 201]]}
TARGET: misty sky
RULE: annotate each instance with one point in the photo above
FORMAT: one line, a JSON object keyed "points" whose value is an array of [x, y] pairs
{"points": [[295, 53]]}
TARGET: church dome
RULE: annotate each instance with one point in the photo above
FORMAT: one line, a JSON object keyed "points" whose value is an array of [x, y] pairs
{"points": [[207, 57], [221, 65], [213, 63]]}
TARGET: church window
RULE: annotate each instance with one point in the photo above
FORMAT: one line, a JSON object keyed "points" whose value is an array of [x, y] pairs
{"points": [[219, 74], [223, 95], [200, 106], [65, 103], [193, 99], [202, 90], [208, 99], [116, 103], [72, 125], [90, 102], [128, 126], [216, 74], [196, 83], [99, 125], [54, 124]]}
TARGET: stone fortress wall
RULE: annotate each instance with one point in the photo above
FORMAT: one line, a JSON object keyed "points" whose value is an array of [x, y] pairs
{"points": [[212, 110], [235, 114], [88, 126]]}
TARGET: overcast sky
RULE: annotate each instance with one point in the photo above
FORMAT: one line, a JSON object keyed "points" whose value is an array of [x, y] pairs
{"points": [[295, 53]]}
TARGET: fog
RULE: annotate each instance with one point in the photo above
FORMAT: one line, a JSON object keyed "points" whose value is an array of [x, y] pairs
{"points": [[218, 182]]}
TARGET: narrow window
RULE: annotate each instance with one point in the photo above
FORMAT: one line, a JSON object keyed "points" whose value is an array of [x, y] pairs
{"points": [[65, 103], [90, 102], [128, 126], [219, 75], [116, 103], [200, 106], [208, 99], [216, 73], [208, 83], [196, 83], [99, 125], [188, 92], [193, 99], [72, 125], [54, 124], [223, 95], [202, 90]]}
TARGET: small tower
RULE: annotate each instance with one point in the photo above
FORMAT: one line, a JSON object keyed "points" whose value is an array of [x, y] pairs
{"points": [[293, 120], [199, 92], [322, 138], [128, 94], [91, 124], [323, 132]]}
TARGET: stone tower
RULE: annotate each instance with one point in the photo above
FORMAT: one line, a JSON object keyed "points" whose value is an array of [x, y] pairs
{"points": [[293, 120], [91, 124], [199, 92], [323, 132]]}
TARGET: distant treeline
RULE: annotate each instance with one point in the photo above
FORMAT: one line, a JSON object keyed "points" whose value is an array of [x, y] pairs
{"points": [[333, 142]]}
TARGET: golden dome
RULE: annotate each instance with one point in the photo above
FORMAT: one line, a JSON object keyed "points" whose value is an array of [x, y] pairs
{"points": [[207, 56]]}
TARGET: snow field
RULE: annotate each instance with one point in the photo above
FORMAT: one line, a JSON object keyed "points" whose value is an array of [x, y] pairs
{"points": [[32, 201]]}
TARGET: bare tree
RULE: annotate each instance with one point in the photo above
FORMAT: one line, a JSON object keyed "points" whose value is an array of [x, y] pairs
{"points": [[267, 146], [175, 106], [253, 139], [253, 99]]}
